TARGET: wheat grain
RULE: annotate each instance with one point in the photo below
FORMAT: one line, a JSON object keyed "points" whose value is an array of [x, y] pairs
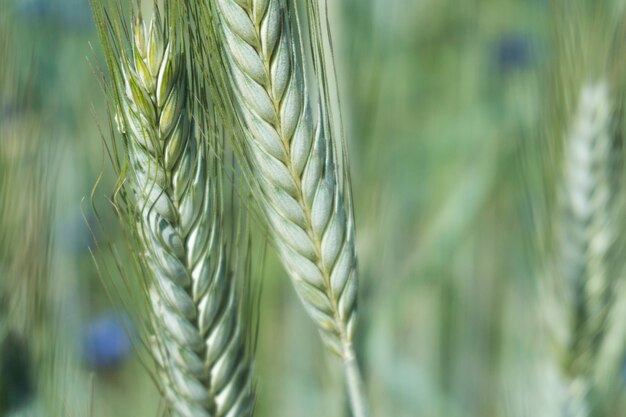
{"points": [[199, 339], [294, 160]]}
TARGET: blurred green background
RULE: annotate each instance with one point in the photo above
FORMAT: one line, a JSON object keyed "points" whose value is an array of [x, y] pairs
{"points": [[441, 99]]}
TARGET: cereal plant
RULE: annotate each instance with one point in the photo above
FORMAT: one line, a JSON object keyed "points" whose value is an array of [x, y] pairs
{"points": [[347, 208]]}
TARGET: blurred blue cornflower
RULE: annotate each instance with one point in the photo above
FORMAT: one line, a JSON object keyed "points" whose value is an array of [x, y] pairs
{"points": [[513, 51], [106, 341]]}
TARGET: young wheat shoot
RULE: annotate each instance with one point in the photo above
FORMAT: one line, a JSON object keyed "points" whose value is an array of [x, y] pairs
{"points": [[293, 159], [586, 237], [199, 337]]}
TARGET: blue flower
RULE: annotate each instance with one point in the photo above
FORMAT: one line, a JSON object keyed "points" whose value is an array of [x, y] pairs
{"points": [[513, 51], [106, 341]]}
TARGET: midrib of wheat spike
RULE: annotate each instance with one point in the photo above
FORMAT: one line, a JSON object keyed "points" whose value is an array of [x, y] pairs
{"points": [[199, 338], [293, 159]]}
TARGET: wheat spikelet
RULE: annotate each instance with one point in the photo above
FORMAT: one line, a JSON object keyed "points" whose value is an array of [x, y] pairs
{"points": [[199, 338], [586, 238]]}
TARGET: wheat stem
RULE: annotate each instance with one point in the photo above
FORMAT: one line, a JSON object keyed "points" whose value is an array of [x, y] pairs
{"points": [[356, 389]]}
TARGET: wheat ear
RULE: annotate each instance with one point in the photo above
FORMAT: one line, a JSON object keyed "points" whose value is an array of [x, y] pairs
{"points": [[294, 160], [587, 236], [199, 336]]}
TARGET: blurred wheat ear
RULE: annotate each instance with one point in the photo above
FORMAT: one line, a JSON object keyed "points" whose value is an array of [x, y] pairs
{"points": [[586, 237], [174, 206], [296, 162]]}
